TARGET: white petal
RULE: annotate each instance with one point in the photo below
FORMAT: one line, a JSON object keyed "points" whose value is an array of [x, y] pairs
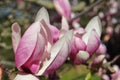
{"points": [[24, 76], [64, 25], [94, 24], [42, 14], [83, 55]]}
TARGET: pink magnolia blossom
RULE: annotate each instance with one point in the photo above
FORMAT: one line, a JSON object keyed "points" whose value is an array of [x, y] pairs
{"points": [[63, 7], [86, 41], [35, 52]]}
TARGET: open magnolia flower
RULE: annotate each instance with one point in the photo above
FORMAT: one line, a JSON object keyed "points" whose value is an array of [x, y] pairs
{"points": [[86, 41], [35, 52]]}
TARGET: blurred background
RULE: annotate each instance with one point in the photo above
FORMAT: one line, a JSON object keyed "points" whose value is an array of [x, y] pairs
{"points": [[24, 11]]}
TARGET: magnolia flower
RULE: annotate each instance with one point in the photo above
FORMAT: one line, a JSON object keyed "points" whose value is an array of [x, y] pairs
{"points": [[63, 7], [35, 52], [86, 41]]}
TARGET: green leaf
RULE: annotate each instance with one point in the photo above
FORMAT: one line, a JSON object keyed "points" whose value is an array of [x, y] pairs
{"points": [[88, 76]]}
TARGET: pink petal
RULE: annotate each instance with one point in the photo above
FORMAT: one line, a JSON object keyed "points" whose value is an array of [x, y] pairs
{"points": [[27, 44], [98, 59], [59, 60], [55, 33], [62, 54], [24, 76], [57, 51], [42, 14], [102, 49], [16, 36], [63, 7], [79, 31], [79, 44], [46, 31], [93, 42], [33, 64]]}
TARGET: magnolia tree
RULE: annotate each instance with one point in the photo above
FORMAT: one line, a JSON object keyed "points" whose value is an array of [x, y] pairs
{"points": [[44, 48]]}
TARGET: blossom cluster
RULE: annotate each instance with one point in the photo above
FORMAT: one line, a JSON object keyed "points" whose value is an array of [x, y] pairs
{"points": [[43, 48]]}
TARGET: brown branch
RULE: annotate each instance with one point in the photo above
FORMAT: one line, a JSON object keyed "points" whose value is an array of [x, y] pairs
{"points": [[115, 59], [86, 10]]}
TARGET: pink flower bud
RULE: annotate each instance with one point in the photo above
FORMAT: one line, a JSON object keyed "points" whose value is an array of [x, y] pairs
{"points": [[63, 7], [86, 42]]}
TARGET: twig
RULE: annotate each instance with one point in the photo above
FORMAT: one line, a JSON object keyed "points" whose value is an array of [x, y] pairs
{"points": [[87, 10], [7, 63], [115, 59]]}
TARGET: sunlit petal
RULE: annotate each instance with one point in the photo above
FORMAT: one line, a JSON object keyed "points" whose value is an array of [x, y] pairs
{"points": [[42, 14], [94, 24], [64, 25], [23, 76]]}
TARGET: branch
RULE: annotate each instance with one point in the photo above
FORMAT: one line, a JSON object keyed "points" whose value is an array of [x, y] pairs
{"points": [[7, 63], [115, 59], [86, 10]]}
